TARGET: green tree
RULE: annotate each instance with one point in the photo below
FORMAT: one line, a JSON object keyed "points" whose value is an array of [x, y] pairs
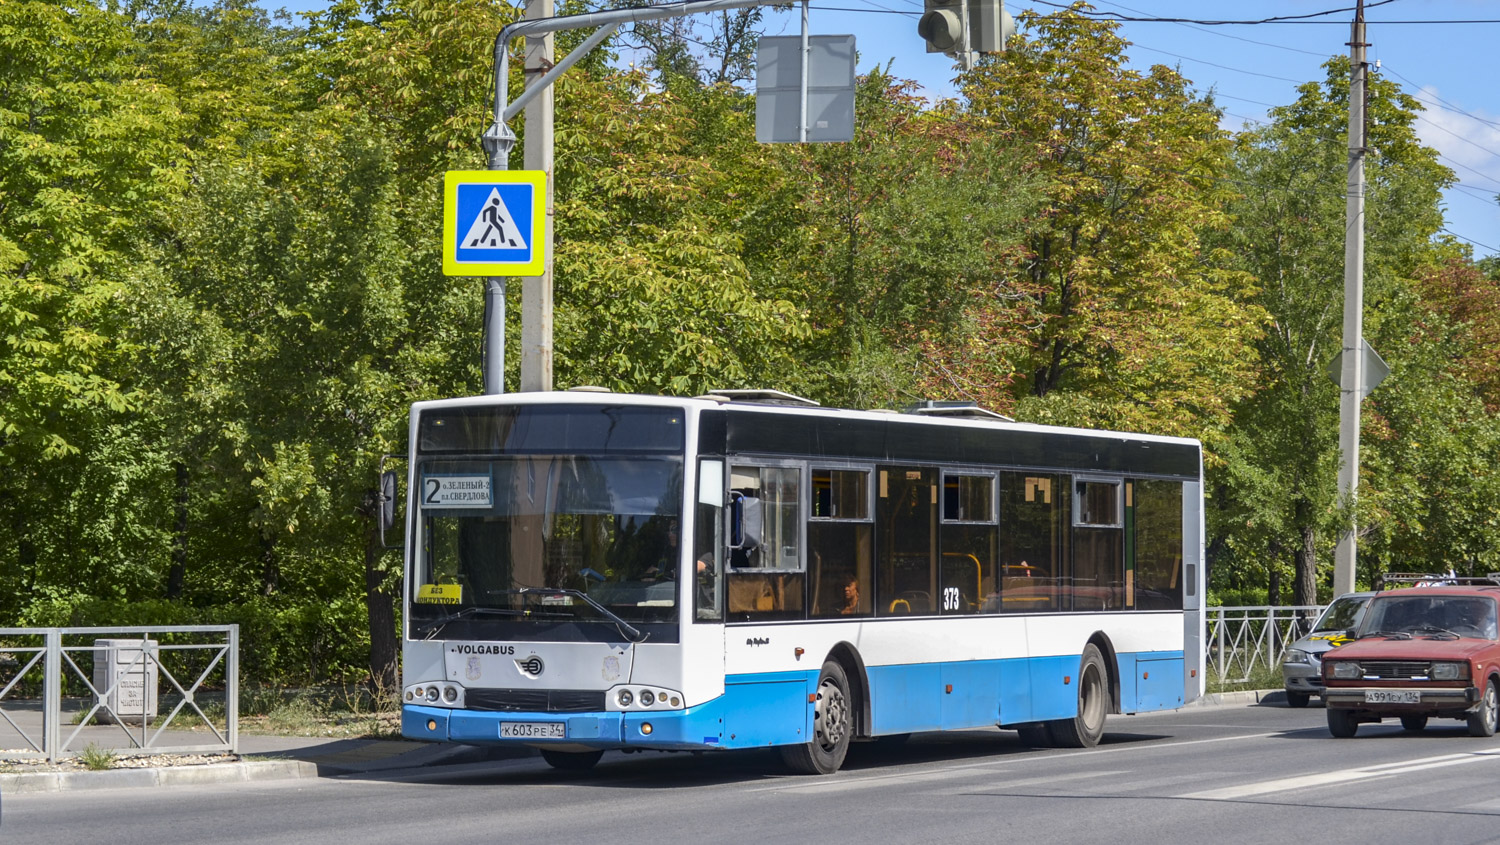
{"points": [[89, 164], [1130, 319], [1276, 499]]}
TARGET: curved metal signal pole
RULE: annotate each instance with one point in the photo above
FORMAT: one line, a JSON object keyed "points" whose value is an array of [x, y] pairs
{"points": [[499, 140]]}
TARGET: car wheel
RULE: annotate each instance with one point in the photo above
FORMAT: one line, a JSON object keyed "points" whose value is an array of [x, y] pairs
{"points": [[1482, 720], [1414, 722], [571, 761], [1085, 729], [833, 725], [1341, 723], [1297, 699]]}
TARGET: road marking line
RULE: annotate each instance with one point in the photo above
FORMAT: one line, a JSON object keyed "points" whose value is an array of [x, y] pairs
{"points": [[999, 765], [1340, 776], [852, 784], [1041, 781]]}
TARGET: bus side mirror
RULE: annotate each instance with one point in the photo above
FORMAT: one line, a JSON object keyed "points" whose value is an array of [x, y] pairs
{"points": [[744, 522], [385, 512]]}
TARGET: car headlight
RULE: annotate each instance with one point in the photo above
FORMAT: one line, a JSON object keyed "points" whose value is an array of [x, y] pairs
{"points": [[1296, 655], [1345, 670], [1449, 671]]}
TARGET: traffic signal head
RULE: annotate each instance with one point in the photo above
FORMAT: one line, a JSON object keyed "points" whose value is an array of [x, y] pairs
{"points": [[942, 26]]}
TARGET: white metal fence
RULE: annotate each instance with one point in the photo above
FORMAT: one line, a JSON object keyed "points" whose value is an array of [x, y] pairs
{"points": [[1242, 639], [164, 690]]}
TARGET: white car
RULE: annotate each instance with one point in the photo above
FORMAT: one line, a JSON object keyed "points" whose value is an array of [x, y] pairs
{"points": [[1302, 667]]}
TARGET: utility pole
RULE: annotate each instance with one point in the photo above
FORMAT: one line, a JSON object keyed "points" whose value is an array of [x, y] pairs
{"points": [[536, 291], [1352, 375]]}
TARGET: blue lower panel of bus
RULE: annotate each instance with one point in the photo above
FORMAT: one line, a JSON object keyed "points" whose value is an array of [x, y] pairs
{"points": [[776, 708]]}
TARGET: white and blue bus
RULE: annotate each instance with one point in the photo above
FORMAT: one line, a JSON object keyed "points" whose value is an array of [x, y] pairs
{"points": [[589, 571]]}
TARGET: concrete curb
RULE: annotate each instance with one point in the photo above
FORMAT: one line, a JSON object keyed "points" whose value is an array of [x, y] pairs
{"points": [[357, 758], [242, 772], [1245, 698]]}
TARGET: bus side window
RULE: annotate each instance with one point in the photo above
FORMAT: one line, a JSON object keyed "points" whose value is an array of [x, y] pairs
{"points": [[967, 582], [1034, 534], [765, 528], [765, 540], [840, 544]]}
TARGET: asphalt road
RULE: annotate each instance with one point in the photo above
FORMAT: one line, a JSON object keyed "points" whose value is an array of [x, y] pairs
{"points": [[1256, 774]]}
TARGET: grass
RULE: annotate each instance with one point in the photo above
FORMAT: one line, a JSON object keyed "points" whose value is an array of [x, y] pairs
{"points": [[96, 759], [1263, 677], [352, 712]]}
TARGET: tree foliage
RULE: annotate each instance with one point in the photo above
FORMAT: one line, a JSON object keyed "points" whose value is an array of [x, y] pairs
{"points": [[220, 289]]}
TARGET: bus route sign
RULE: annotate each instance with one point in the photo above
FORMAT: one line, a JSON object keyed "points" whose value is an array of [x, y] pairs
{"points": [[493, 222]]}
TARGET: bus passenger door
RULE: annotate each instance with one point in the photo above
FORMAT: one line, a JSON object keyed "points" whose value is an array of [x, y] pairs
{"points": [[906, 571]]}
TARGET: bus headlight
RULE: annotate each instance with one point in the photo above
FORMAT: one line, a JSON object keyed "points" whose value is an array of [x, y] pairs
{"points": [[450, 694], [648, 698], [625, 698], [432, 694]]}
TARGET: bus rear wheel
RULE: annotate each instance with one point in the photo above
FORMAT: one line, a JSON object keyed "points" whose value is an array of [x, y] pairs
{"points": [[571, 761], [1085, 729], [833, 725]]}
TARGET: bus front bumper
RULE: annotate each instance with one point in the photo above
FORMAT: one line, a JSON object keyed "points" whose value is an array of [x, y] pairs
{"points": [[694, 729]]}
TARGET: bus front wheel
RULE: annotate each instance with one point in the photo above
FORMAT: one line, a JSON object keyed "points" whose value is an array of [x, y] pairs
{"points": [[833, 725], [1085, 729]]}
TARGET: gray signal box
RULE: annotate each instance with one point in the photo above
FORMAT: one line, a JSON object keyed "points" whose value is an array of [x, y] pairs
{"points": [[830, 89], [133, 697]]}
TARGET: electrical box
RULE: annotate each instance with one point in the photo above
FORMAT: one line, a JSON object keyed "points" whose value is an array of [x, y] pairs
{"points": [[125, 675]]}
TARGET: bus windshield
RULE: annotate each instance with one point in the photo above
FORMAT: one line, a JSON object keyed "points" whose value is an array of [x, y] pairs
{"points": [[495, 530]]}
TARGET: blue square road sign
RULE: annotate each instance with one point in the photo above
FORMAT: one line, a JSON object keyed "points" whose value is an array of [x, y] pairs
{"points": [[494, 222]]}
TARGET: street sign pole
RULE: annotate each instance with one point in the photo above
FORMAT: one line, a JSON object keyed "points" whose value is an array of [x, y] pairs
{"points": [[806, 64]]}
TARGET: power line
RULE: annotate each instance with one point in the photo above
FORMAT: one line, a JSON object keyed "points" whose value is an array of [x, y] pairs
{"points": [[1434, 124], [1222, 34], [1458, 163], [1471, 193], [1307, 18], [1221, 67], [1439, 100], [1449, 231]]}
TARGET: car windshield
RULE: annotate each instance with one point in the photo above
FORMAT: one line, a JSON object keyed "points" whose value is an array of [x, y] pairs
{"points": [[1341, 615], [1413, 612]]}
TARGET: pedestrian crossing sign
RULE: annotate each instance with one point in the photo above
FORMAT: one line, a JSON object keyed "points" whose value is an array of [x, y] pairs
{"points": [[493, 222]]}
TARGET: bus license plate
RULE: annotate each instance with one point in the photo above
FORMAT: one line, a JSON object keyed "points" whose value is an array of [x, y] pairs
{"points": [[533, 730], [1393, 696]]}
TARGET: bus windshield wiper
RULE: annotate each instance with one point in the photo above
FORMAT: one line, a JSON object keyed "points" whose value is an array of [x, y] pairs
{"points": [[431, 627], [629, 631]]}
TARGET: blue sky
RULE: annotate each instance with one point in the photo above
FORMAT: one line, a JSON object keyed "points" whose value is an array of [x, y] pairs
{"points": [[1254, 67]]}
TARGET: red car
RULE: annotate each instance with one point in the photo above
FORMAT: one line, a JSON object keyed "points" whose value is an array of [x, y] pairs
{"points": [[1425, 652]]}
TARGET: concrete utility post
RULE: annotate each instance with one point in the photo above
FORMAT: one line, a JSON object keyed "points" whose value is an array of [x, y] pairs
{"points": [[1352, 376], [536, 291]]}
